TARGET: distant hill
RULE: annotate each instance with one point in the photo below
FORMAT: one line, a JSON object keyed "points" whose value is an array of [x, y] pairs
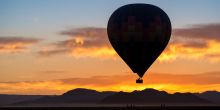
{"points": [[6, 99], [76, 96], [85, 95], [151, 96], [213, 96], [146, 96]]}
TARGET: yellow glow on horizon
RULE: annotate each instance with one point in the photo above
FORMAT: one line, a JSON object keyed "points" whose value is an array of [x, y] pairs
{"points": [[57, 87]]}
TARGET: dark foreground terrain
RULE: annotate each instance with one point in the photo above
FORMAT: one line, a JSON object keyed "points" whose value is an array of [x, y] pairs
{"points": [[117, 108], [86, 99]]}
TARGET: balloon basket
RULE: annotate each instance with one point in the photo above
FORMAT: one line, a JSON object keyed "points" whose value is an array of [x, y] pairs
{"points": [[139, 81]]}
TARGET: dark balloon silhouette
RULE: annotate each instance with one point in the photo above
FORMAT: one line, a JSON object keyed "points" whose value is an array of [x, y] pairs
{"points": [[139, 33]]}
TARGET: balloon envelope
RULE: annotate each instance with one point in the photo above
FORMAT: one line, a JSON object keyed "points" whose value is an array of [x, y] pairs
{"points": [[139, 33]]}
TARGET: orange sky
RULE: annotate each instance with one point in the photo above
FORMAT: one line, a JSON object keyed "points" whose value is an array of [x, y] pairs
{"points": [[186, 65], [125, 82], [52, 48]]}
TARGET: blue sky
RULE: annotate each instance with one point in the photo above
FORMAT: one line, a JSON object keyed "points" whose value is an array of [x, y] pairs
{"points": [[45, 18], [82, 13]]}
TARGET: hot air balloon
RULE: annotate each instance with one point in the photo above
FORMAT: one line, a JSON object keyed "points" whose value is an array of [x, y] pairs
{"points": [[139, 33]]}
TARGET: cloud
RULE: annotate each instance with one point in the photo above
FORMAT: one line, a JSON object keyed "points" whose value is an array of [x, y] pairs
{"points": [[201, 32], [179, 51], [195, 42], [49, 52], [82, 42], [15, 44], [124, 82], [87, 33]]}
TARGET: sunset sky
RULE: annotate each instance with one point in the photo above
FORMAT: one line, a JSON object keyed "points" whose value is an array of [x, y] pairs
{"points": [[52, 46]]}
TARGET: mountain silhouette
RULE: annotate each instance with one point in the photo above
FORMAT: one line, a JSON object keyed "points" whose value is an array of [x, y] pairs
{"points": [[143, 97], [152, 96], [6, 99], [213, 96], [76, 96], [81, 95]]}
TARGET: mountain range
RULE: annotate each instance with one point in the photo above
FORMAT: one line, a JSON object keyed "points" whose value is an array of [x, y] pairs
{"points": [[88, 96]]}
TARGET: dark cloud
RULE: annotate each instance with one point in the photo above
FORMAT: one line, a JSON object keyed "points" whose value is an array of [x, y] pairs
{"points": [[190, 40], [213, 55], [204, 32], [195, 44], [52, 52], [12, 40], [84, 38], [72, 43], [195, 36], [15, 44], [189, 43], [92, 37], [88, 33]]}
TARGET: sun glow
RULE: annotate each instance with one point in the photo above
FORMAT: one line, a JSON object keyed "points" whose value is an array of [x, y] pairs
{"points": [[93, 52], [60, 87]]}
